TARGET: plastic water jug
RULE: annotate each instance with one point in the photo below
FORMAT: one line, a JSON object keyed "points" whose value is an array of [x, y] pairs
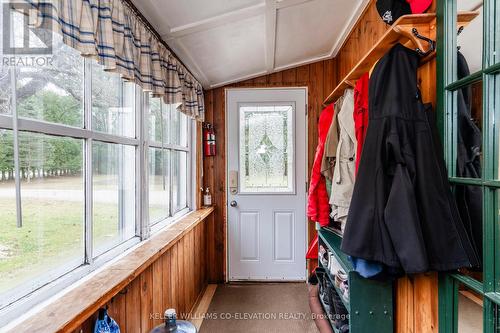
{"points": [[172, 325]]}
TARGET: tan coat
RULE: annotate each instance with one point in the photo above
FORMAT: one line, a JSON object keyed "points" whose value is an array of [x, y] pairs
{"points": [[343, 172]]}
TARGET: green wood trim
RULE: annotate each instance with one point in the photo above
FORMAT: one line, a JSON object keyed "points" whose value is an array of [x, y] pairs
{"points": [[474, 181], [494, 297], [333, 241], [446, 94], [475, 285], [493, 69], [463, 82], [445, 297], [466, 181], [489, 316]]}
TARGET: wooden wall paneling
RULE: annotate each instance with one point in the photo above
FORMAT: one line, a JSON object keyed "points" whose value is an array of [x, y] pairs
{"points": [[185, 274], [302, 74], [167, 285], [191, 269], [175, 280], [133, 307], [146, 279], [289, 76], [220, 185], [203, 254], [426, 303], [181, 292], [159, 304], [276, 78], [175, 290], [117, 309], [196, 258], [212, 269]]}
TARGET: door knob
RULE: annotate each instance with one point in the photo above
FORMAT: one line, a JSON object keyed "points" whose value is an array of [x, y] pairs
{"points": [[233, 203]]}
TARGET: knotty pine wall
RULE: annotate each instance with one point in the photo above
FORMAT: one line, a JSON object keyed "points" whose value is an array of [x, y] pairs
{"points": [[416, 303], [175, 280]]}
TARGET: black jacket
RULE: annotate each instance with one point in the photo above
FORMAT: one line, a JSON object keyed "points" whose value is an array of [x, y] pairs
{"points": [[402, 212]]}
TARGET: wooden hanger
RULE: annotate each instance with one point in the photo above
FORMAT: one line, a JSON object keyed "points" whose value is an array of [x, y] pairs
{"points": [[350, 83]]}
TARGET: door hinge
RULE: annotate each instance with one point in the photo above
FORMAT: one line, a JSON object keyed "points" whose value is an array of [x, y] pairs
{"points": [[306, 109]]}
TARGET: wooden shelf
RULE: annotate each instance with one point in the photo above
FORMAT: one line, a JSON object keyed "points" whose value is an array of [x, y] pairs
{"points": [[425, 24]]}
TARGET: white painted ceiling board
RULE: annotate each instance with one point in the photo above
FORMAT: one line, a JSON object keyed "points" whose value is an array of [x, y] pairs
{"points": [[230, 51], [181, 12], [223, 41], [310, 29]]}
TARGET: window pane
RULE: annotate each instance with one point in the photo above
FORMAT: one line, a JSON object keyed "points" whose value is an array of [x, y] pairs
{"points": [[470, 311], [113, 168], [179, 180], [52, 196], [266, 149], [470, 40], [5, 90], [159, 187], [11, 261], [178, 125], [53, 92], [469, 201], [156, 120], [113, 103], [469, 130]]}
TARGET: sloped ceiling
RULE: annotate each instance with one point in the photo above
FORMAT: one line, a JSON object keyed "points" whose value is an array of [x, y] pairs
{"points": [[224, 41]]}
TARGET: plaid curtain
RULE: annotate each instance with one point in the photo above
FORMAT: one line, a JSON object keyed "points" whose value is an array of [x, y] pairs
{"points": [[109, 31]]}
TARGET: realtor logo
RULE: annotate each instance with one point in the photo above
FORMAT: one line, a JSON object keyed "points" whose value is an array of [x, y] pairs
{"points": [[19, 34]]}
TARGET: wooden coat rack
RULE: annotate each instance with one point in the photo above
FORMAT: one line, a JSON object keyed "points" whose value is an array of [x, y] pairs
{"points": [[400, 32]]}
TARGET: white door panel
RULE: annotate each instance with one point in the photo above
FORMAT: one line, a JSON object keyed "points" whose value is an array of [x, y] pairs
{"points": [[266, 154], [283, 233], [249, 236]]}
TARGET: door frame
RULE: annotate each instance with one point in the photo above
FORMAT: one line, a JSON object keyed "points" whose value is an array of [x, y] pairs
{"points": [[226, 166]]}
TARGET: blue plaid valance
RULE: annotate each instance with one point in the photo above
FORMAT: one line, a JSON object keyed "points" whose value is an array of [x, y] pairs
{"points": [[111, 32]]}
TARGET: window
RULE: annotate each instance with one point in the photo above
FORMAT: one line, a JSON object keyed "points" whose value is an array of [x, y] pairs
{"points": [[71, 140], [168, 160], [469, 102]]}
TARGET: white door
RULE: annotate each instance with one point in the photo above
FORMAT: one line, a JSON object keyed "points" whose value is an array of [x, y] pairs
{"points": [[266, 194]]}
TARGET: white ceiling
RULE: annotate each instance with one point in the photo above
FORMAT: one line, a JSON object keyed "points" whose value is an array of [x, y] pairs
{"points": [[224, 41]]}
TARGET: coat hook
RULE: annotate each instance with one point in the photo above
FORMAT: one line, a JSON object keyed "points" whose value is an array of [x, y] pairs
{"points": [[432, 44]]}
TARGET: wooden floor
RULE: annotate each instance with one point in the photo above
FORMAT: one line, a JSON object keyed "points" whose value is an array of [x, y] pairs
{"points": [[259, 307]]}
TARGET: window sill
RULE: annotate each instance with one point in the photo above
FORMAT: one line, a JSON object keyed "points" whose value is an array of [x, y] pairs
{"points": [[67, 311]]}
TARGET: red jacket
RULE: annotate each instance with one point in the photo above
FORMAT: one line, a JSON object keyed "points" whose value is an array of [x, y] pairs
{"points": [[318, 208], [360, 113]]}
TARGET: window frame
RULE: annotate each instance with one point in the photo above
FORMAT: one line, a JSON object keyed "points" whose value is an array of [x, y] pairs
{"points": [[155, 226], [447, 85], [22, 298]]}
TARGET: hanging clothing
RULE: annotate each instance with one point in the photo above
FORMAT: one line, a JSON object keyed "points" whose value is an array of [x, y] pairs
{"points": [[318, 208], [331, 143], [360, 114], [469, 198], [343, 172], [402, 212]]}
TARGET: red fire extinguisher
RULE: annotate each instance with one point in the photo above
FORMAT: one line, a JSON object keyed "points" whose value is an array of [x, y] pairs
{"points": [[209, 139]]}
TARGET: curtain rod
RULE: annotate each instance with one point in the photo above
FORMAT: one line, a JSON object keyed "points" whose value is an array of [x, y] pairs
{"points": [[150, 27]]}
